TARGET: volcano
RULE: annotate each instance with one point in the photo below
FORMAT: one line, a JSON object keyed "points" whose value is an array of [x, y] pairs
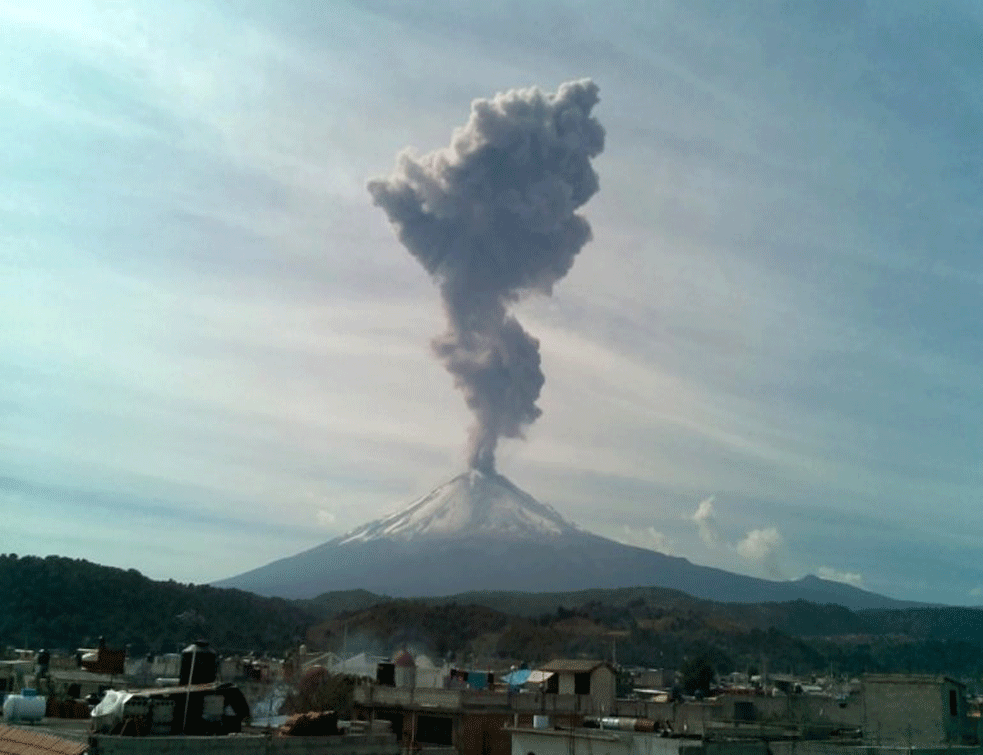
{"points": [[480, 532], [474, 504]]}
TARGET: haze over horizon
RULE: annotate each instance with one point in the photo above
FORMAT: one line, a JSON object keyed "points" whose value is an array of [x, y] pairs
{"points": [[766, 360]]}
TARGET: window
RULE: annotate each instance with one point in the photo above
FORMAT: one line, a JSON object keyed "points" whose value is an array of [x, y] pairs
{"points": [[744, 710], [581, 683], [435, 730], [953, 703]]}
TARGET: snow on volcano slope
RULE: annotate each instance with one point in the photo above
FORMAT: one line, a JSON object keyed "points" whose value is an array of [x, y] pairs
{"points": [[474, 503], [480, 532]]}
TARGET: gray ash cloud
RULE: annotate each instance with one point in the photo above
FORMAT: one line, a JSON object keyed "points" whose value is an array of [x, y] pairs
{"points": [[492, 217]]}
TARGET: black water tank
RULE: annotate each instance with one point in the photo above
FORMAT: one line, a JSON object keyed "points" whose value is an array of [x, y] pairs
{"points": [[385, 674], [202, 659]]}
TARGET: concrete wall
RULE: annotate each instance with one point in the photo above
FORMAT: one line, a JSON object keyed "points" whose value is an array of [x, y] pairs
{"points": [[369, 744], [602, 687], [373, 694], [830, 748], [596, 742], [799, 709], [376, 696], [913, 712], [168, 665], [658, 678], [483, 735], [693, 717]]}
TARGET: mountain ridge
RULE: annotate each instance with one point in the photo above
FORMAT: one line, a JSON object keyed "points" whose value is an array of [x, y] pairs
{"points": [[58, 602], [480, 532]]}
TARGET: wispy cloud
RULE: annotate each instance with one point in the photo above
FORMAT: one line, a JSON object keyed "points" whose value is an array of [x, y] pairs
{"points": [[647, 537], [850, 578], [201, 296], [762, 547], [705, 518]]}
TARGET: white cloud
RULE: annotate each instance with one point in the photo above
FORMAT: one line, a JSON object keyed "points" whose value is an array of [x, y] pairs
{"points": [[705, 517], [849, 578], [759, 545], [763, 547], [648, 537], [254, 349], [325, 518]]}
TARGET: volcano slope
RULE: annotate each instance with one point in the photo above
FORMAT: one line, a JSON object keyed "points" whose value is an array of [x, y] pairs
{"points": [[479, 532]]}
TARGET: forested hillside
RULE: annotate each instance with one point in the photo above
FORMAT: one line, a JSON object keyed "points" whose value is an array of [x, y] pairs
{"points": [[63, 603], [664, 630], [67, 603]]}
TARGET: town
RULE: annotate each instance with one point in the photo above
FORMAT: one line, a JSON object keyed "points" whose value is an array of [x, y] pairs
{"points": [[100, 701]]}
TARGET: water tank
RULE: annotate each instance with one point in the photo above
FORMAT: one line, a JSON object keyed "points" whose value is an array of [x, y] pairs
{"points": [[198, 664], [20, 708], [385, 674], [405, 670]]}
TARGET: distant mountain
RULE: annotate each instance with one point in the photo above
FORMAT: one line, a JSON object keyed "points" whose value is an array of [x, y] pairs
{"points": [[480, 532]]}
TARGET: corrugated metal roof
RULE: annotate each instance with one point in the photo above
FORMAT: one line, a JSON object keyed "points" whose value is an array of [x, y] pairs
{"points": [[15, 741], [572, 666]]}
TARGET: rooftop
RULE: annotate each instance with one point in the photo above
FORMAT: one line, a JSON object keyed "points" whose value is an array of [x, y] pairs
{"points": [[572, 666], [910, 679], [17, 741]]}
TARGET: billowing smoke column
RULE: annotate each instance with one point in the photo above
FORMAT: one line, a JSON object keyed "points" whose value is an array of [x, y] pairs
{"points": [[492, 217]]}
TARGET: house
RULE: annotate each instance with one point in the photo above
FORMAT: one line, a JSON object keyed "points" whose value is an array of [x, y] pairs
{"points": [[471, 713], [593, 682], [916, 710]]}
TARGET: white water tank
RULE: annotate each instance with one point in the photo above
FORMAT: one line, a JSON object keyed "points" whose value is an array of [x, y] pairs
{"points": [[20, 708]]}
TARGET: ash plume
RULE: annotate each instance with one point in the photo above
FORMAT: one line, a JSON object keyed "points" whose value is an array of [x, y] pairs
{"points": [[491, 217]]}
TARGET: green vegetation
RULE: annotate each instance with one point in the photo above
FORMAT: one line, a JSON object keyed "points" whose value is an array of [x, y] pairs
{"points": [[697, 675], [63, 603]]}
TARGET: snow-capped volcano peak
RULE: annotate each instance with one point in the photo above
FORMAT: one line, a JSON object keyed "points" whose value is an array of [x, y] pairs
{"points": [[473, 503]]}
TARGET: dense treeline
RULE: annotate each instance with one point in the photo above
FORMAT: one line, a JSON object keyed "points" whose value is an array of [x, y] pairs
{"points": [[67, 603], [442, 630], [731, 637], [63, 603]]}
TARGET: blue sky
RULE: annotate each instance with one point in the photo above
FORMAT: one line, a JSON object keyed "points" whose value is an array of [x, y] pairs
{"points": [[215, 353]]}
